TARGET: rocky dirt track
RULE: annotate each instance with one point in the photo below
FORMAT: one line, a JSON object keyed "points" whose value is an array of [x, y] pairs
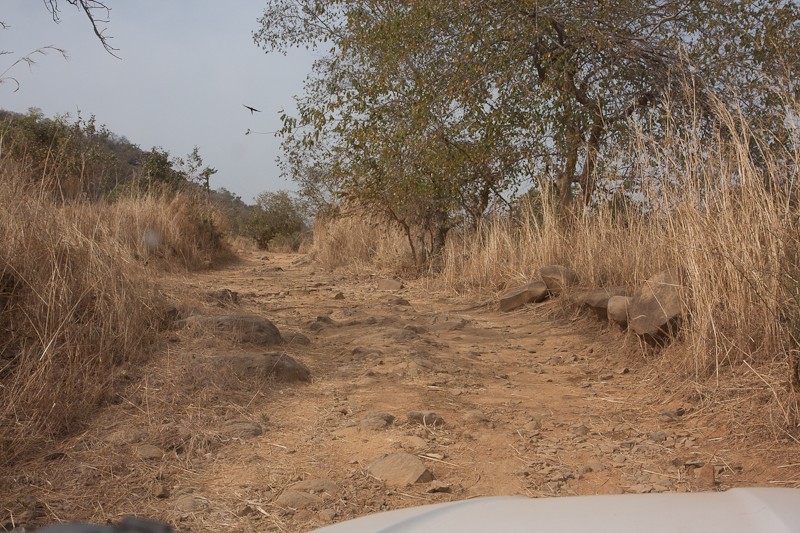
{"points": [[535, 402]]}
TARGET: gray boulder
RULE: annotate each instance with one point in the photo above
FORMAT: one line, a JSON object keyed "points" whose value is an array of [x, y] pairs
{"points": [[535, 291], [557, 278], [656, 311], [617, 310]]}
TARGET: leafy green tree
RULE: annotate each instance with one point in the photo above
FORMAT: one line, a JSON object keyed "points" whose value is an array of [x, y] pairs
{"points": [[277, 215], [433, 112], [160, 169]]}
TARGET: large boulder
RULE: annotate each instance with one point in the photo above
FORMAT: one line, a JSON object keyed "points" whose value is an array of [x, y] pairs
{"points": [[265, 365], [245, 329], [535, 291], [617, 310], [597, 301], [557, 278], [656, 311]]}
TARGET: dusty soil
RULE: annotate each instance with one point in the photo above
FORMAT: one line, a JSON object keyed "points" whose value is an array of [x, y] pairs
{"points": [[537, 402]]}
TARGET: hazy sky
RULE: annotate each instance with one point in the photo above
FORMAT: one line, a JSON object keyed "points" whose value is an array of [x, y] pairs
{"points": [[187, 67]]}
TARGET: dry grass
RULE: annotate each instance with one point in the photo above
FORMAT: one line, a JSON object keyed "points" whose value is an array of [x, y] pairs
{"points": [[77, 302], [720, 210]]}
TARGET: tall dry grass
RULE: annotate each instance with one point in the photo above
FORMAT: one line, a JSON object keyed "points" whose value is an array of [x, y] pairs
{"points": [[77, 298], [721, 205]]}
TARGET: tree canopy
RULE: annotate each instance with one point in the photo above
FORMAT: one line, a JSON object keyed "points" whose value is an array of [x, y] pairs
{"points": [[432, 111]]}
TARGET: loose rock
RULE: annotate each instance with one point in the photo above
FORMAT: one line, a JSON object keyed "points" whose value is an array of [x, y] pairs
{"points": [[189, 503], [149, 452], [295, 338], [617, 310], [558, 277], [241, 429], [535, 291], [296, 499], [400, 469], [597, 301], [426, 418], [656, 310], [377, 421], [316, 486]]}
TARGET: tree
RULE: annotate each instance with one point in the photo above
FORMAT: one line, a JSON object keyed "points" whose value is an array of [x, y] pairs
{"points": [[432, 111], [196, 172], [278, 215], [159, 168]]}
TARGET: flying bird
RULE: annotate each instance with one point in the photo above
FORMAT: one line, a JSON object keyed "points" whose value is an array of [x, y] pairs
{"points": [[252, 109]]}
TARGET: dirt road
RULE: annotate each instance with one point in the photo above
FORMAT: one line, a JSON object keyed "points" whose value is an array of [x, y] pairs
{"points": [[534, 402]]}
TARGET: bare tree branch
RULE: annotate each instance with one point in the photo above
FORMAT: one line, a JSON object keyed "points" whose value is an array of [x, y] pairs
{"points": [[96, 11]]}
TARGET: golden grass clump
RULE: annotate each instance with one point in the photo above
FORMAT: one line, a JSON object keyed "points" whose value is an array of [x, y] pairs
{"points": [[77, 301]]}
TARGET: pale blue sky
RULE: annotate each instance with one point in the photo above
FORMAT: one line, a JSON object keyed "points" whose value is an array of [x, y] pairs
{"points": [[187, 67]]}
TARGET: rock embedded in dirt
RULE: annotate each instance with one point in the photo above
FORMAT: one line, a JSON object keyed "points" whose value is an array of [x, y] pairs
{"points": [[597, 301], [339, 296], [426, 418], [240, 429], [295, 499], [557, 278], [475, 417], [400, 469], [316, 486], [295, 338], [272, 365], [149, 452], [245, 329], [657, 308], [437, 486], [189, 503], [617, 310], [535, 291], [705, 476], [389, 285], [377, 421]]}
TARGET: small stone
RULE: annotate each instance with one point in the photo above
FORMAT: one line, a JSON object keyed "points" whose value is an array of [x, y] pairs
{"points": [[377, 421], [658, 436], [327, 515], [240, 429], [426, 418], [149, 452], [706, 476], [295, 499], [189, 503], [339, 296], [316, 486], [400, 469], [438, 486]]}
